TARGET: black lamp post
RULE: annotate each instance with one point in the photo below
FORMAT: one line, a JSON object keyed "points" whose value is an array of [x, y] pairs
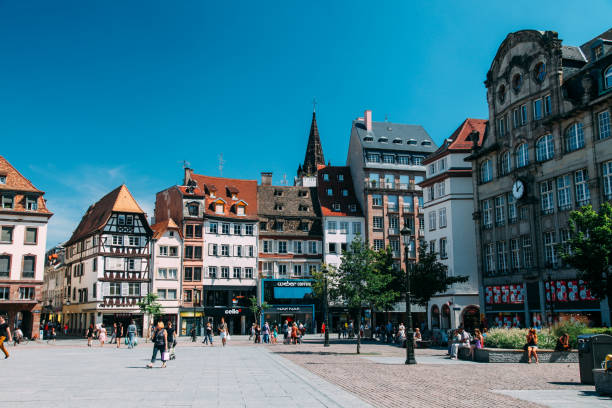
{"points": [[406, 233], [325, 309]]}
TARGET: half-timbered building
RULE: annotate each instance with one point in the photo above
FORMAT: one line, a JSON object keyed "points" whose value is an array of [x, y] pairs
{"points": [[107, 263]]}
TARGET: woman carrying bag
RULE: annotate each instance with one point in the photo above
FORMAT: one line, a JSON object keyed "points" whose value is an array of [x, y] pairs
{"points": [[160, 343]]}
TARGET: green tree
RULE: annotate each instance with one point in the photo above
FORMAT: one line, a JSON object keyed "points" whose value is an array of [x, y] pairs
{"points": [[589, 249], [150, 307], [385, 289], [429, 276], [257, 309]]}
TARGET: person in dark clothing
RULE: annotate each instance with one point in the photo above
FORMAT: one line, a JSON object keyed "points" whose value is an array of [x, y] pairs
{"points": [[160, 343], [563, 343], [171, 339], [5, 334]]}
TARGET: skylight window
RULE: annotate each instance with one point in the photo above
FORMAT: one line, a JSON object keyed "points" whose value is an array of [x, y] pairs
{"points": [[411, 142], [397, 141]]}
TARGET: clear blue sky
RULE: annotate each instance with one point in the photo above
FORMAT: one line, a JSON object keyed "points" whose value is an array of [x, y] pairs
{"points": [[97, 93]]}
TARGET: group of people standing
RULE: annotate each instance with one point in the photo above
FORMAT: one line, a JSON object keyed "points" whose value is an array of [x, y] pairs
{"points": [[292, 333], [117, 333]]}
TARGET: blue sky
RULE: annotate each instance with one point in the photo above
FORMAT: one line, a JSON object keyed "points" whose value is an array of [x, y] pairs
{"points": [[98, 93]]}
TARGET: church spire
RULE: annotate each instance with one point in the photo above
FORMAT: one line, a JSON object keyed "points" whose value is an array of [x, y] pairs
{"points": [[314, 150]]}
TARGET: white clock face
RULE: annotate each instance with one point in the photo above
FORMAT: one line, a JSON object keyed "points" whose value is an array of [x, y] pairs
{"points": [[518, 189]]}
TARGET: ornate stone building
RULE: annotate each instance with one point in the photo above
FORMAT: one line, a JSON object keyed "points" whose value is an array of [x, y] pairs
{"points": [[547, 151]]}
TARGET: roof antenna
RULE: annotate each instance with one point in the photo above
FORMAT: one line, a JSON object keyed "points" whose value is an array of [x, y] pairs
{"points": [[186, 164], [221, 161]]}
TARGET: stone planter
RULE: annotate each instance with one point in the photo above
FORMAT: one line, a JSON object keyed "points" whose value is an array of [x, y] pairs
{"points": [[603, 381], [494, 355]]}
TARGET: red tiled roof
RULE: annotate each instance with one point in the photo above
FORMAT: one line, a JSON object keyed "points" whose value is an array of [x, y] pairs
{"points": [[460, 140], [162, 226], [337, 187], [17, 183], [244, 190], [97, 215]]}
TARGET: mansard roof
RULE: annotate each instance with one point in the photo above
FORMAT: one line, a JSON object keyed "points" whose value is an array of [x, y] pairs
{"points": [[296, 201], [222, 188], [98, 214], [394, 136]]}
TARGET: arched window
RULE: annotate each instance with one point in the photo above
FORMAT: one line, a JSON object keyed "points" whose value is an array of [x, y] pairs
{"points": [[608, 78], [540, 71], [486, 171], [435, 317], [193, 209], [574, 137], [517, 82], [545, 148], [522, 155], [506, 163], [501, 93], [445, 323]]}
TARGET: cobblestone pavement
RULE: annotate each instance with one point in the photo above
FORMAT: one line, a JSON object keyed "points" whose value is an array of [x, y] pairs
{"points": [[379, 377]]}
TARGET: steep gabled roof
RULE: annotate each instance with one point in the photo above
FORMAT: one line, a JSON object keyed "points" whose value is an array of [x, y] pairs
{"points": [[15, 181], [163, 226], [460, 139], [97, 215], [224, 188]]}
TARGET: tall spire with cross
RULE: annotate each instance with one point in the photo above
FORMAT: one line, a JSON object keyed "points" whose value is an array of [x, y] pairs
{"points": [[314, 149]]}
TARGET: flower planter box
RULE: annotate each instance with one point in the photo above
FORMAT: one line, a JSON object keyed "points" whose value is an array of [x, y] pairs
{"points": [[493, 355]]}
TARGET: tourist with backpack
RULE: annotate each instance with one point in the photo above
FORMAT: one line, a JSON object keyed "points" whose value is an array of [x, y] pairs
{"points": [[160, 343], [131, 334]]}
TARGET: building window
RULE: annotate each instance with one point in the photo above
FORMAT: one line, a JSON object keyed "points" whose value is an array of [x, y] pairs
{"points": [[5, 266], [162, 294], [432, 220], [565, 236], [603, 121], [7, 201], [219, 208], [527, 251], [440, 189], [550, 253], [236, 274], [607, 179], [213, 228], [540, 72], [114, 289], [500, 210], [344, 227], [379, 244], [502, 257], [522, 155], [501, 126], [515, 254], [297, 270], [26, 293], [133, 240], [248, 229], [163, 251], [331, 227], [225, 251], [225, 272], [574, 137], [547, 105], [225, 228], [31, 203], [512, 216], [547, 200], [501, 93], [417, 160], [4, 293], [537, 109], [312, 247], [583, 195], [282, 247], [516, 120], [188, 296], [486, 172], [443, 252], [297, 247], [432, 169], [489, 261], [29, 263], [432, 246], [403, 159], [373, 158], [162, 273], [564, 192], [212, 272], [517, 82], [213, 249], [524, 213], [523, 114], [545, 148], [486, 214], [248, 273], [506, 163], [238, 250], [442, 217], [236, 229], [2, 178], [192, 210], [6, 234], [388, 158], [377, 222], [282, 269], [608, 78], [133, 289], [121, 219], [357, 224]]}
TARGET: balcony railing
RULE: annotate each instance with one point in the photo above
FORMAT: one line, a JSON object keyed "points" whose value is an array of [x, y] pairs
{"points": [[120, 301], [393, 231], [124, 275], [382, 185]]}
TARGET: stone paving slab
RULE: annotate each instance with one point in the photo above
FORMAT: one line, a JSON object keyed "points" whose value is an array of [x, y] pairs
{"points": [[420, 360], [560, 398], [245, 376]]}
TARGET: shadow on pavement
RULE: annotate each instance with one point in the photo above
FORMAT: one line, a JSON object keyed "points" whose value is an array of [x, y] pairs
{"points": [[566, 383]]}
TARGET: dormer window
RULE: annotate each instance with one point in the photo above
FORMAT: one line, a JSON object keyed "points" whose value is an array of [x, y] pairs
{"points": [[302, 193], [382, 140], [193, 209], [336, 207], [330, 192], [368, 139], [240, 210], [2, 178], [397, 141], [303, 207], [219, 208], [345, 192], [278, 193], [412, 142], [353, 207], [121, 219], [326, 177], [425, 143], [31, 203], [278, 207], [340, 177]]}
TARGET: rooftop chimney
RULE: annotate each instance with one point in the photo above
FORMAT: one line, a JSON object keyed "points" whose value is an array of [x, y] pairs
{"points": [[188, 173], [367, 120], [266, 178]]}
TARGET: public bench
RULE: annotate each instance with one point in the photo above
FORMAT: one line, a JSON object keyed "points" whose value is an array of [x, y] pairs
{"points": [[495, 355]]}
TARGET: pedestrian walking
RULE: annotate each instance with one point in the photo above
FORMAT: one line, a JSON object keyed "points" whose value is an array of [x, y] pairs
{"points": [[5, 334], [323, 329], [294, 333], [266, 333], [65, 329], [275, 335], [285, 332], [102, 335], [17, 336], [252, 333], [89, 334], [113, 333], [208, 334], [223, 333], [52, 336], [119, 333], [160, 343], [131, 333], [171, 339]]}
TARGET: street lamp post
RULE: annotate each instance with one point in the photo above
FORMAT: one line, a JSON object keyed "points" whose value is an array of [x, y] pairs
{"points": [[325, 310], [406, 233]]}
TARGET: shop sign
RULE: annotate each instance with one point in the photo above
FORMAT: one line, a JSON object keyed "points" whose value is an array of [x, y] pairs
{"points": [[292, 284], [567, 291], [190, 314], [505, 294], [289, 309], [233, 311]]}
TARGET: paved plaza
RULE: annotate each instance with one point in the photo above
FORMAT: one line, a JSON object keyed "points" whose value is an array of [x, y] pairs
{"points": [[69, 374]]}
